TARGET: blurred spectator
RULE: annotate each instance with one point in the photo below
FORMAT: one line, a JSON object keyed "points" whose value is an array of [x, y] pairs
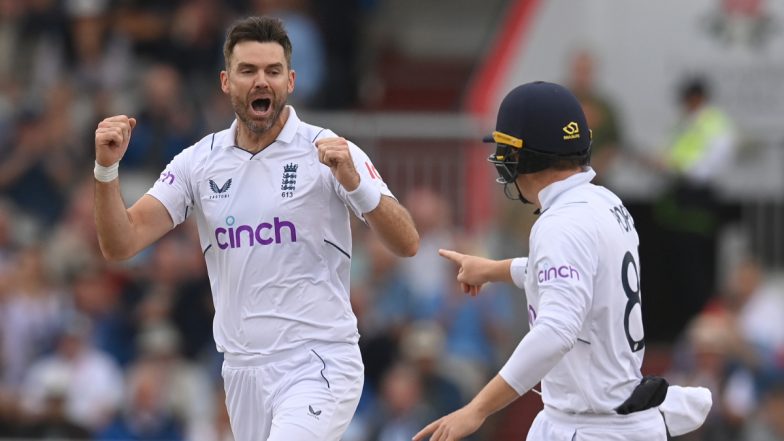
{"points": [[8, 244], [99, 58], [31, 173], [384, 305], [402, 411], [53, 421], [759, 307], [390, 302], [711, 358], [73, 245], [94, 382], [477, 328], [308, 59], [197, 38], [36, 30], [146, 23], [507, 233], [192, 314], [769, 422], [30, 316], [704, 141], [183, 385], [97, 295], [688, 214], [423, 346], [600, 114], [342, 45], [147, 415], [429, 275], [166, 123]]}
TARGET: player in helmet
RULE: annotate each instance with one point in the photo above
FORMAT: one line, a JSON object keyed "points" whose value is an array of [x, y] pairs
{"points": [[581, 281], [535, 111]]}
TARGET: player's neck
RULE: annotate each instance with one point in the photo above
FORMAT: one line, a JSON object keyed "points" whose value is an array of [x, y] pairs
{"points": [[256, 142]]}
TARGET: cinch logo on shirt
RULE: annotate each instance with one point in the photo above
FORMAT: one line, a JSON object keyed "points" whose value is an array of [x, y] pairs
{"points": [[561, 272], [264, 233], [167, 177]]}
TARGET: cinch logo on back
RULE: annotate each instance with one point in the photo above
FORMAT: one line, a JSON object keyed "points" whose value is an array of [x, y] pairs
{"points": [[264, 233], [561, 272]]}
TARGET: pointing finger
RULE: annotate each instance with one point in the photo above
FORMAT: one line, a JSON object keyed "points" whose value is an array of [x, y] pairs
{"points": [[429, 429], [454, 256]]}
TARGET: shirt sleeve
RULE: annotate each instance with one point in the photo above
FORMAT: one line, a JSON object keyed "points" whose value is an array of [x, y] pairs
{"points": [[565, 266], [519, 269], [367, 173], [173, 188], [538, 352], [564, 269]]}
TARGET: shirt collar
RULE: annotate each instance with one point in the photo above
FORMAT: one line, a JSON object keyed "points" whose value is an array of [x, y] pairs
{"points": [[549, 194], [286, 134], [290, 128]]}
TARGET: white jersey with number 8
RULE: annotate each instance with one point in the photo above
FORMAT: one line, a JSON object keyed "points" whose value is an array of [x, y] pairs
{"points": [[582, 280]]}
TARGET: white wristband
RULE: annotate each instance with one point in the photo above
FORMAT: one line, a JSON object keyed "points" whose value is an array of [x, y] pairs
{"points": [[106, 174], [366, 197]]}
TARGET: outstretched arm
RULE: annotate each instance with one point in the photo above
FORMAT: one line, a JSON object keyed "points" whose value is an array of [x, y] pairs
{"points": [[539, 351], [122, 233], [496, 395], [475, 271]]}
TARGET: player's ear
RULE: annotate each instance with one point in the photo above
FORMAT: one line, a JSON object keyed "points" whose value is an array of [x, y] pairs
{"points": [[292, 79], [224, 79]]}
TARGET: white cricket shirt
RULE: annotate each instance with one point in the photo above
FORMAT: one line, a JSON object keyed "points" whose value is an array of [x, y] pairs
{"points": [[274, 229], [581, 281]]}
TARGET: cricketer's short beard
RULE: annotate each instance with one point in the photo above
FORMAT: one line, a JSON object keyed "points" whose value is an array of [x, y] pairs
{"points": [[257, 126]]}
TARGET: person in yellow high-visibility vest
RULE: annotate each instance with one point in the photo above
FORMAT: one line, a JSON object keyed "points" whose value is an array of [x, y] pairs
{"points": [[704, 140], [689, 215]]}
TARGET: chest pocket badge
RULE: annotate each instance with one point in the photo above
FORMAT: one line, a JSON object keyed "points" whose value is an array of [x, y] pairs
{"points": [[289, 181]]}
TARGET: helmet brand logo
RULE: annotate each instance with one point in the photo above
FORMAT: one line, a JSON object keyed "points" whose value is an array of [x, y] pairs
{"points": [[572, 131]]}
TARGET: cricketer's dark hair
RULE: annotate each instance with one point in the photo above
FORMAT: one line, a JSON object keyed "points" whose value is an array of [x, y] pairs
{"points": [[261, 29]]}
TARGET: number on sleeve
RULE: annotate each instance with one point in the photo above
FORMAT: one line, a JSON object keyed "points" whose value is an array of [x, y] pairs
{"points": [[633, 298]]}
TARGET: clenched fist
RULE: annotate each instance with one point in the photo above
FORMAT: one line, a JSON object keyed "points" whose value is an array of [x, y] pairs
{"points": [[111, 139], [334, 153]]}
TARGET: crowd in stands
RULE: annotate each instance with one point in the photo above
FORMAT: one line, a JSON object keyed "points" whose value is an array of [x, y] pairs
{"points": [[123, 351]]}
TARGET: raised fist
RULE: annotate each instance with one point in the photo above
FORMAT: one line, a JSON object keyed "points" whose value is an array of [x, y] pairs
{"points": [[335, 154], [111, 139]]}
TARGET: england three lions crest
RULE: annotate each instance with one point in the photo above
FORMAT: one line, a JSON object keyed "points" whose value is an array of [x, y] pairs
{"points": [[289, 182]]}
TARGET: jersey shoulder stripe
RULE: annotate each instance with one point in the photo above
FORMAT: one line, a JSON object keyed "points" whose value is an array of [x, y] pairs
{"points": [[313, 133]]}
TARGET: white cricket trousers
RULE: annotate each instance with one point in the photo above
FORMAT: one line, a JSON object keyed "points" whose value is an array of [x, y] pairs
{"points": [[302, 394], [554, 425]]}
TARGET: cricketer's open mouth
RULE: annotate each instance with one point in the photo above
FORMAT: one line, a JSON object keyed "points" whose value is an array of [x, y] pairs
{"points": [[261, 105]]}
